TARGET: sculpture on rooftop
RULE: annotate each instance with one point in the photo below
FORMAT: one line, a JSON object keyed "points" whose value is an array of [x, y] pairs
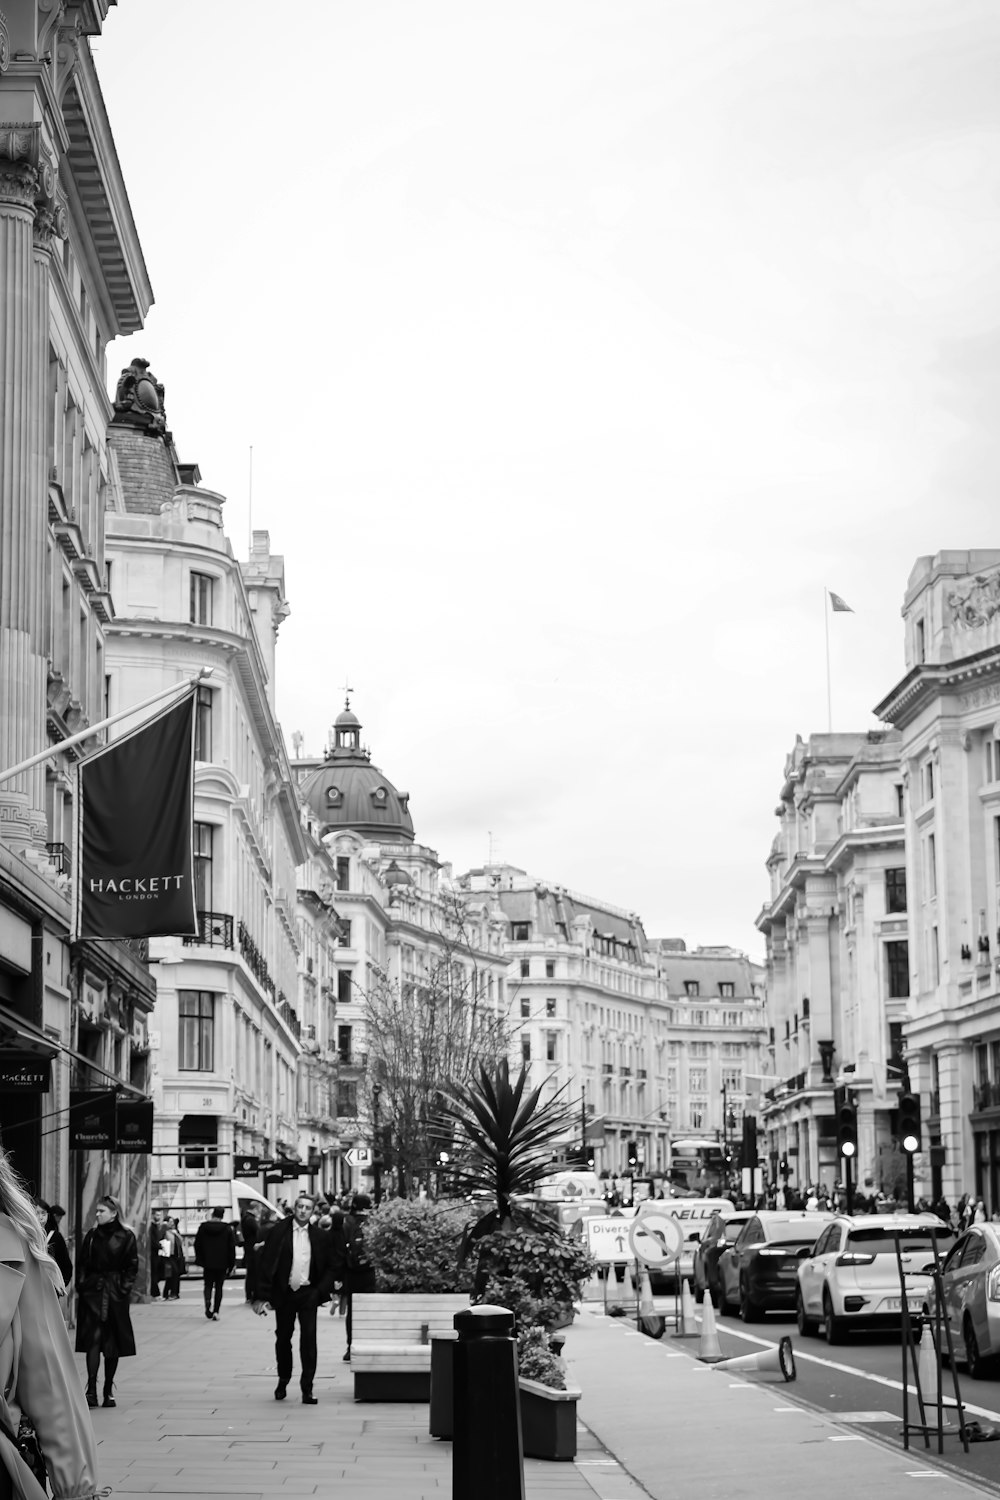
{"points": [[139, 399]]}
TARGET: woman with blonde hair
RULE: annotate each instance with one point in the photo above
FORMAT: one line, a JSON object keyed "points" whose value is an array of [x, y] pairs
{"points": [[38, 1376], [105, 1275]]}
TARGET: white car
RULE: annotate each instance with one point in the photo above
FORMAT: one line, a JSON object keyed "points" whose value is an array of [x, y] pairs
{"points": [[851, 1278]]}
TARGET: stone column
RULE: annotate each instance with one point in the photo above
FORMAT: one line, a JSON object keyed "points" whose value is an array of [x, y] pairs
{"points": [[23, 342]]}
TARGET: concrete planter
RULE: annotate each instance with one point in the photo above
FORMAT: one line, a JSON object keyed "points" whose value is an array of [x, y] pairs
{"points": [[548, 1417]]}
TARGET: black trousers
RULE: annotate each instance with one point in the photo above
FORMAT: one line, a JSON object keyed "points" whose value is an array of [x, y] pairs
{"points": [[300, 1305], [214, 1282]]}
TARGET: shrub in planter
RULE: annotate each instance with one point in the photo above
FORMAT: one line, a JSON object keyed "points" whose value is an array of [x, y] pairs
{"points": [[552, 1268], [536, 1361], [414, 1246]]}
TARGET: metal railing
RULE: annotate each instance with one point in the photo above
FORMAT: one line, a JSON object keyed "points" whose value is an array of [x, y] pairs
{"points": [[215, 930]]}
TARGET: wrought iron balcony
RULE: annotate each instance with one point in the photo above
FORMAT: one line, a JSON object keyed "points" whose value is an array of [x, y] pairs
{"points": [[215, 930], [59, 855]]}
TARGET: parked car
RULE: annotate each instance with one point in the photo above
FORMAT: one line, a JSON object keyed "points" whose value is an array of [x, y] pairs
{"points": [[758, 1273], [970, 1285], [722, 1230], [851, 1279]]}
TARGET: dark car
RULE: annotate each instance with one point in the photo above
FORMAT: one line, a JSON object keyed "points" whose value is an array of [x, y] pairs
{"points": [[722, 1230], [759, 1272], [970, 1284]]}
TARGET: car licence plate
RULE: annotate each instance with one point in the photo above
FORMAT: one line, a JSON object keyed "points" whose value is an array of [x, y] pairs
{"points": [[895, 1304]]}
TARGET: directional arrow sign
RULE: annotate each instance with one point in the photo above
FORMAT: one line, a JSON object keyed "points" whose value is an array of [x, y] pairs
{"points": [[358, 1156], [608, 1238]]}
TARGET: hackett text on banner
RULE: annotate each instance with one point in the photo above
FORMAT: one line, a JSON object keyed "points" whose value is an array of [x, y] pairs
{"points": [[135, 819]]}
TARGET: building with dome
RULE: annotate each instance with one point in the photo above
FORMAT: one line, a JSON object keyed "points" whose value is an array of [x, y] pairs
{"points": [[405, 929]]}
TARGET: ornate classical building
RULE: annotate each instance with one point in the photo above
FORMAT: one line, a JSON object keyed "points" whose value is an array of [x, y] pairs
{"points": [[716, 1030], [946, 709], [838, 972], [243, 1043], [405, 928], [72, 277]]}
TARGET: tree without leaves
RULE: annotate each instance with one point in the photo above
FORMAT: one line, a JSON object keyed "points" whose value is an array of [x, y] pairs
{"points": [[424, 1038]]}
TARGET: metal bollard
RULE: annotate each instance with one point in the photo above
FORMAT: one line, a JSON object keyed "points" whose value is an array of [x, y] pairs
{"points": [[487, 1453]]}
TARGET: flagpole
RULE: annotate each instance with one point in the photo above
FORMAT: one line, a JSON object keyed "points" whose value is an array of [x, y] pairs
{"points": [[180, 688], [829, 696]]}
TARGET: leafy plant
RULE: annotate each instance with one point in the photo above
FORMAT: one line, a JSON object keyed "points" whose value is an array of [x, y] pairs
{"points": [[536, 1361], [415, 1246], [502, 1140], [552, 1268]]}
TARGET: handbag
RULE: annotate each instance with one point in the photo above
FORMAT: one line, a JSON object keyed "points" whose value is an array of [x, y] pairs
{"points": [[27, 1445]]}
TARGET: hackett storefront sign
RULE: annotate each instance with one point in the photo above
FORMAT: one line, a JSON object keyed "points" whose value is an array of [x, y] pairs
{"points": [[24, 1073], [135, 819]]}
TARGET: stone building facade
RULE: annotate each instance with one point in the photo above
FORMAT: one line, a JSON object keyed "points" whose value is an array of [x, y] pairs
{"points": [[242, 1047], [836, 929], [72, 278], [946, 709]]}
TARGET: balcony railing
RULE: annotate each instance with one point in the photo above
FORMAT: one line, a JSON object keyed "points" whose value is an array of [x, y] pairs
{"points": [[986, 1096], [254, 959], [59, 856], [289, 1016], [215, 930]]}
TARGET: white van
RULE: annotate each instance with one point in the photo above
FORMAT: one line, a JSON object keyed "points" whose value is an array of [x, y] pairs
{"points": [[693, 1215], [190, 1201]]}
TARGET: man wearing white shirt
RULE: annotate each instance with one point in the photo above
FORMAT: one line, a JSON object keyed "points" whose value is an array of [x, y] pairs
{"points": [[295, 1275]]}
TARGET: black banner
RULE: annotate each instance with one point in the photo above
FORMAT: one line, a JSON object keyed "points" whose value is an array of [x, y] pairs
{"points": [[134, 823], [91, 1120], [246, 1166], [25, 1073], [290, 1170], [134, 1128]]}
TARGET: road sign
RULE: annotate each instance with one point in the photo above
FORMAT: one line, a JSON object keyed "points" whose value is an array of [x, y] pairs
{"points": [[656, 1237], [608, 1238], [358, 1156]]}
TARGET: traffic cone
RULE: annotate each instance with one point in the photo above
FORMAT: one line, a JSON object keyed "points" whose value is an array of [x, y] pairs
{"points": [[689, 1320], [709, 1349], [779, 1357], [650, 1320], [612, 1296], [929, 1370]]}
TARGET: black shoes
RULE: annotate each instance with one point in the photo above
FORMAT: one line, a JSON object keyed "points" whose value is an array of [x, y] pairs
{"points": [[280, 1390], [308, 1399], [91, 1395], [109, 1400]]}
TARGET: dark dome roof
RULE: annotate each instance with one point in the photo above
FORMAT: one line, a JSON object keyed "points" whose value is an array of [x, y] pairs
{"points": [[347, 791]]}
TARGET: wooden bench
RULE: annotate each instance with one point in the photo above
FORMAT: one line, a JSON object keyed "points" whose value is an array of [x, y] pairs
{"points": [[391, 1341]]}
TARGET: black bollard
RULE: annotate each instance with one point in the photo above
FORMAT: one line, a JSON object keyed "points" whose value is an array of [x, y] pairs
{"points": [[487, 1461]]}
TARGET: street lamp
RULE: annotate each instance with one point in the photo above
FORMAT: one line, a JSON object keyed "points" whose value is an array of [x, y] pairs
{"points": [[377, 1147]]}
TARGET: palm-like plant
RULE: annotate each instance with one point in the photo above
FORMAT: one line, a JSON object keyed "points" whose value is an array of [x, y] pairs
{"points": [[503, 1134]]}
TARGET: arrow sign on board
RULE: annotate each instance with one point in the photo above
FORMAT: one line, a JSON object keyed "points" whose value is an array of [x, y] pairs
{"points": [[358, 1156]]}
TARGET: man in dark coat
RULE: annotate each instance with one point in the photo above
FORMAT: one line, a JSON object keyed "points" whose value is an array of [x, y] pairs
{"points": [[295, 1275], [215, 1252], [250, 1230]]}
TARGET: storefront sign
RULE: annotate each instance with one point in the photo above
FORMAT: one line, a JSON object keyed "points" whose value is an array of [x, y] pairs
{"points": [[91, 1120], [25, 1073], [134, 1128]]}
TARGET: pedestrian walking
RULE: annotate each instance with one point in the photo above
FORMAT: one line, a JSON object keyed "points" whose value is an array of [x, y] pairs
{"points": [[250, 1231], [54, 1242], [215, 1252], [172, 1256], [105, 1276], [358, 1270], [38, 1376], [295, 1275], [157, 1224]]}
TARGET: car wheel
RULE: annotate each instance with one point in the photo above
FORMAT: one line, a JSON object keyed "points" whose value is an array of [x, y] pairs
{"points": [[806, 1324], [834, 1326], [979, 1368], [749, 1311]]}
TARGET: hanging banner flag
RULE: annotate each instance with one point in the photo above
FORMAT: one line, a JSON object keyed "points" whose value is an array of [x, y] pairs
{"points": [[91, 1120], [24, 1073], [134, 1127], [134, 827]]}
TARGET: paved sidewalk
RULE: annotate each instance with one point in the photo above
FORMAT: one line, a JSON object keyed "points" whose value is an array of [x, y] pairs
{"points": [[197, 1417]]}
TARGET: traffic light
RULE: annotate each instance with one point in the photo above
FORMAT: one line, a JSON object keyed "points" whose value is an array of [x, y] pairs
{"points": [[590, 1158], [847, 1125], [783, 1168], [909, 1122], [633, 1154]]}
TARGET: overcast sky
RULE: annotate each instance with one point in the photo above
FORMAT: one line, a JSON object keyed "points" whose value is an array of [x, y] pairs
{"points": [[580, 346]]}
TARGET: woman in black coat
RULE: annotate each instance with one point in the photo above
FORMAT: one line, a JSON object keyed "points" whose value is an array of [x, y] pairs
{"points": [[105, 1275]]}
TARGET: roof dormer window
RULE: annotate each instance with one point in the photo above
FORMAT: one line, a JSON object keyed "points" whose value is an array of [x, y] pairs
{"points": [[333, 796]]}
